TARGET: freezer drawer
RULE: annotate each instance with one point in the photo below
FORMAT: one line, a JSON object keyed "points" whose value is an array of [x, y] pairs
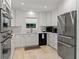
{"points": [[66, 51], [68, 40]]}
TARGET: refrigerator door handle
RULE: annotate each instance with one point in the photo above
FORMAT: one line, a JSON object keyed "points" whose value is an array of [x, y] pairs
{"points": [[65, 37], [67, 45]]}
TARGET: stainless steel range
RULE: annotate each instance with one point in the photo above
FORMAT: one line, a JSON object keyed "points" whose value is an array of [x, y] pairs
{"points": [[67, 35]]}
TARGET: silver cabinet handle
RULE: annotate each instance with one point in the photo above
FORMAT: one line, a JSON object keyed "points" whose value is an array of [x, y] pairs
{"points": [[65, 37], [67, 45]]}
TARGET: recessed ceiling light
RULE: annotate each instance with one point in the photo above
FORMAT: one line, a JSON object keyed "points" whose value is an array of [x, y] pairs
{"points": [[31, 13], [45, 6], [22, 3]]}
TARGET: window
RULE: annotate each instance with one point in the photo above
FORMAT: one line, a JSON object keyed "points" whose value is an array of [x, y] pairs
{"points": [[30, 25]]}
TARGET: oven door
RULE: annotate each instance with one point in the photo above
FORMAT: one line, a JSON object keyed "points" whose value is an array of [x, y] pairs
{"points": [[5, 21], [6, 51]]}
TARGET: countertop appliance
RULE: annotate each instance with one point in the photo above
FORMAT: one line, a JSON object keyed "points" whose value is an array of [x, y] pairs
{"points": [[52, 29], [49, 28], [67, 35]]}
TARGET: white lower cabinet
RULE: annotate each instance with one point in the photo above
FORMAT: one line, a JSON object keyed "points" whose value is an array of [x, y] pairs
{"points": [[31, 40], [52, 40], [18, 41], [26, 40]]}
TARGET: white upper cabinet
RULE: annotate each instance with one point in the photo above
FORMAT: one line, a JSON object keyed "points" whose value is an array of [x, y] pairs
{"points": [[45, 18], [42, 19], [49, 19]]}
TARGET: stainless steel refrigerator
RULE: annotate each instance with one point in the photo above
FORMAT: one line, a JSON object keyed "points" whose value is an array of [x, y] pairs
{"points": [[67, 35]]}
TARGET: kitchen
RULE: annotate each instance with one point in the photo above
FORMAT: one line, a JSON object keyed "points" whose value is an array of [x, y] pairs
{"points": [[33, 26]]}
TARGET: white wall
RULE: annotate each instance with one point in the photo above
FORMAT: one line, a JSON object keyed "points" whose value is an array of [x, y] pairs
{"points": [[66, 6]]}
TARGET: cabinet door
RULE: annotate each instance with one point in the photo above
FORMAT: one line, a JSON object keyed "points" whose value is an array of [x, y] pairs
{"points": [[16, 41], [19, 41], [31, 40], [35, 39], [52, 40]]}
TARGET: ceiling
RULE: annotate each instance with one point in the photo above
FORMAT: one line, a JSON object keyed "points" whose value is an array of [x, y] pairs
{"points": [[36, 5]]}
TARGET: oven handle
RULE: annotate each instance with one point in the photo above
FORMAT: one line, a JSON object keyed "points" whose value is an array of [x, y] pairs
{"points": [[7, 39], [67, 45]]}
